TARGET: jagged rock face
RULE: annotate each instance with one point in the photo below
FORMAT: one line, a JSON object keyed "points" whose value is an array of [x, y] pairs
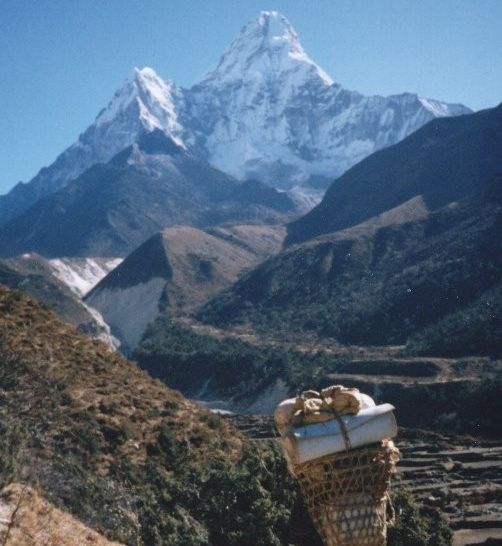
{"points": [[82, 274], [263, 97], [277, 116], [143, 103], [267, 112]]}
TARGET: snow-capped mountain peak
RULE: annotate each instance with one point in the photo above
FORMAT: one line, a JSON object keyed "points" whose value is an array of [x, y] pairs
{"points": [[266, 112], [441, 109], [266, 47], [149, 98]]}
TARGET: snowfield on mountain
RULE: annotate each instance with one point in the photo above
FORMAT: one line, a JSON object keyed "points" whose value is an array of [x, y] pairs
{"points": [[267, 111]]}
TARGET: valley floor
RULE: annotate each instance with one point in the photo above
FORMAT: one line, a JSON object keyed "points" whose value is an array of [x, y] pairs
{"points": [[387, 373]]}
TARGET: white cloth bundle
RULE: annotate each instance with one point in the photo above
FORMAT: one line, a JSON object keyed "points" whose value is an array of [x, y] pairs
{"points": [[284, 413], [370, 425], [286, 409]]}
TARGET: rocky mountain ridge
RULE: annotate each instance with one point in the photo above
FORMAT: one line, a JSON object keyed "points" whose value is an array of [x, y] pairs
{"points": [[266, 112], [114, 207], [82, 274], [40, 279], [443, 162], [405, 248], [393, 285]]}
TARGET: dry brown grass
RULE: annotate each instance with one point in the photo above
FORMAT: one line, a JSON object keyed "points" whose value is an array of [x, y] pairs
{"points": [[205, 262], [27, 519], [95, 384]]}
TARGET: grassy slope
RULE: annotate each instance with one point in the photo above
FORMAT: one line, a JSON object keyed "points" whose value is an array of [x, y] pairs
{"points": [[122, 452], [135, 460], [382, 286]]}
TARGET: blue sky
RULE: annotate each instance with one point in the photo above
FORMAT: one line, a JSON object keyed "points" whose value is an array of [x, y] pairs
{"points": [[62, 60]]}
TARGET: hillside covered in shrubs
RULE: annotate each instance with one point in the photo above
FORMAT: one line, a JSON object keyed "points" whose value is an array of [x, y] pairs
{"points": [[122, 452], [437, 277], [86, 431]]}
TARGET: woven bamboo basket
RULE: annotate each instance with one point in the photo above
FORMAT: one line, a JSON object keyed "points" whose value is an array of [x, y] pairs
{"points": [[347, 494]]}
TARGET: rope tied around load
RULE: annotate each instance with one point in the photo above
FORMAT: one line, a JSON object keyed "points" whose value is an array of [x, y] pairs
{"points": [[343, 428], [337, 445]]}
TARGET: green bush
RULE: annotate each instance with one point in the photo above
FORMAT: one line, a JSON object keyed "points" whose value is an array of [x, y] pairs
{"points": [[11, 450], [186, 361], [417, 526]]}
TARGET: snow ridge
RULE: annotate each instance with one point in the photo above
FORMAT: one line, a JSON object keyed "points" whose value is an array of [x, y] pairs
{"points": [[266, 47], [82, 274], [267, 111], [149, 97]]}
